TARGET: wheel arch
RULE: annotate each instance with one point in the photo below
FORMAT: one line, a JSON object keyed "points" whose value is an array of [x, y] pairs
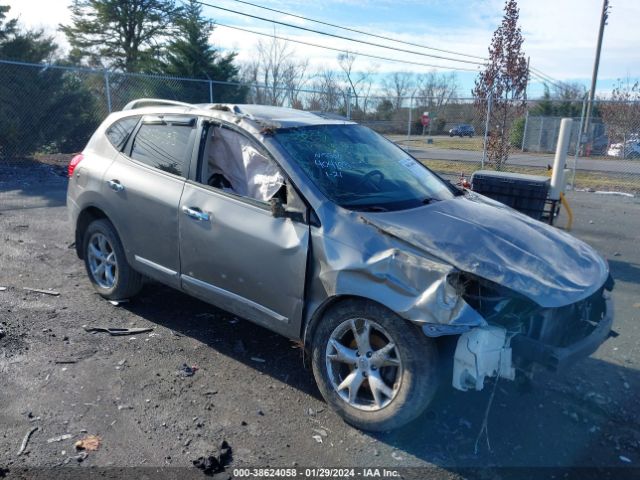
{"points": [[87, 215], [329, 304]]}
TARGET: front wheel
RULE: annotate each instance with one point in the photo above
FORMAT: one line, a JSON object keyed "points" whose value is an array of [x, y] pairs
{"points": [[376, 370], [106, 263]]}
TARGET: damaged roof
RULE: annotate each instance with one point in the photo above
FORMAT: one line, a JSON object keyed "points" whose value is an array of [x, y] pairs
{"points": [[278, 117]]}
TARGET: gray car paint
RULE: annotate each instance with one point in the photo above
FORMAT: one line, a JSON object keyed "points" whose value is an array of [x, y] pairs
{"points": [[398, 259]]}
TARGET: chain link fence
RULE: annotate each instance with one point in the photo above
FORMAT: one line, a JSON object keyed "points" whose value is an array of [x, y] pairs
{"points": [[48, 112]]}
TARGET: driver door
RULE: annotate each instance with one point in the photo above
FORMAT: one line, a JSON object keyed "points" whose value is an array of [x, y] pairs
{"points": [[235, 254]]}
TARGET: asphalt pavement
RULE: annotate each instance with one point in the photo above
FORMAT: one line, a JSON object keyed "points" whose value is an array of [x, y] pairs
{"points": [[250, 387]]}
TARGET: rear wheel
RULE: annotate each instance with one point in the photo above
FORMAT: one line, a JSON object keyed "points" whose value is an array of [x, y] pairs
{"points": [[106, 263], [376, 370]]}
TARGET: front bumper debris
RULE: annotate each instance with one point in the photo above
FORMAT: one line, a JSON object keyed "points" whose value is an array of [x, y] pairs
{"points": [[482, 352], [489, 351], [527, 350]]}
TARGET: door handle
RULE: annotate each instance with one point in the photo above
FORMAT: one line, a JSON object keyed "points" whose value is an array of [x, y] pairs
{"points": [[195, 213], [115, 185]]}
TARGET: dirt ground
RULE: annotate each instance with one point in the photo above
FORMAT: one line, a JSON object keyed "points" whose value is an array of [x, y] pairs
{"points": [[250, 387]]}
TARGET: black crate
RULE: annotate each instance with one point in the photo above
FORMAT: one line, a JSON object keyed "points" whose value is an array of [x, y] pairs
{"points": [[525, 193]]}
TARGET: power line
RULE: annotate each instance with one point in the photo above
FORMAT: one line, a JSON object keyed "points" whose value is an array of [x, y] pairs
{"points": [[345, 51], [358, 31], [338, 36], [546, 80], [549, 79]]}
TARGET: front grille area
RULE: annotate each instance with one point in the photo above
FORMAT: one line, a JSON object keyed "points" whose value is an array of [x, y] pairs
{"points": [[563, 326], [557, 327]]}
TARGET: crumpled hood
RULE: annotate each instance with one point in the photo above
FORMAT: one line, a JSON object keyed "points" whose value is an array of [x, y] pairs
{"points": [[484, 238]]}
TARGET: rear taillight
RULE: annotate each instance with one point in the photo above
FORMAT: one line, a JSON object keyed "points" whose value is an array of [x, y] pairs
{"points": [[74, 163]]}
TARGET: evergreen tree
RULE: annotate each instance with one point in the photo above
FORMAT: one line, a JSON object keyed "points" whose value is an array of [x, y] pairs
{"points": [[191, 55], [40, 108], [6, 27], [124, 34]]}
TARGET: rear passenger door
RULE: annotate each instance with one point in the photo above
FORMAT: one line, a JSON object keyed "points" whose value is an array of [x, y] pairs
{"points": [[143, 189]]}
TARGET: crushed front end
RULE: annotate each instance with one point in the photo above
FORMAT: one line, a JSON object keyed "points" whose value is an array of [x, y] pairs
{"points": [[520, 334]]}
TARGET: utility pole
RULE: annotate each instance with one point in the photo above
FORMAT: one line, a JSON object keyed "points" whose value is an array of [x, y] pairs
{"points": [[603, 21]]}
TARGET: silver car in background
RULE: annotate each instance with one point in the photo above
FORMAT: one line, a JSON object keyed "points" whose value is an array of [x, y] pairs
{"points": [[323, 231]]}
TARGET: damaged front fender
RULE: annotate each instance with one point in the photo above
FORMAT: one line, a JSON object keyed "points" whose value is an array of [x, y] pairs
{"points": [[414, 286]]}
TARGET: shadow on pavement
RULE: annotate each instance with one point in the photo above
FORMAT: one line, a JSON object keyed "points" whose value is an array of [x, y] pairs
{"points": [[586, 416], [28, 184], [625, 271]]}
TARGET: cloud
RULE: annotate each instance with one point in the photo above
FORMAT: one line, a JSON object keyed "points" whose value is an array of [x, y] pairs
{"points": [[560, 36]]}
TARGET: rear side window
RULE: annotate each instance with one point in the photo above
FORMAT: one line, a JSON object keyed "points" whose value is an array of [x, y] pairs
{"points": [[119, 131], [165, 147]]}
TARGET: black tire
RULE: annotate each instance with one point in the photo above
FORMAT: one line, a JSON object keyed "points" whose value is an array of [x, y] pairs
{"points": [[127, 282], [451, 134], [415, 382]]}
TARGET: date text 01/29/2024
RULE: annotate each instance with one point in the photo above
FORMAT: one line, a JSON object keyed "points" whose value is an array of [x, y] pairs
{"points": [[315, 472]]}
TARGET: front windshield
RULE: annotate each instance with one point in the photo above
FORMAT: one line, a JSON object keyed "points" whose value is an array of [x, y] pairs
{"points": [[360, 170]]}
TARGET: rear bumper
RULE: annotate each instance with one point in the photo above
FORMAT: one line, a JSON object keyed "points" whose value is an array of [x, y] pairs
{"points": [[528, 350]]}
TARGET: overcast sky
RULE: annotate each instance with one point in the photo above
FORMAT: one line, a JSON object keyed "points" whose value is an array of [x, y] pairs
{"points": [[560, 35]]}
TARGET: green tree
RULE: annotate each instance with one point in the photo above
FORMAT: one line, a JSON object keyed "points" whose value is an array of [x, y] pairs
{"points": [[503, 80], [124, 34], [189, 54], [6, 27], [565, 101], [40, 108]]}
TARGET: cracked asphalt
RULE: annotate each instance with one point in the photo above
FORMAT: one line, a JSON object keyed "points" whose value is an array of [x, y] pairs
{"points": [[251, 388]]}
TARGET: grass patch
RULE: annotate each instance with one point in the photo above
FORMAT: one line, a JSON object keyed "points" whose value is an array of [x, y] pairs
{"points": [[592, 180]]}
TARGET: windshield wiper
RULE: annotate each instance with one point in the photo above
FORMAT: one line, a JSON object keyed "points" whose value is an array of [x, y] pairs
{"points": [[372, 208]]}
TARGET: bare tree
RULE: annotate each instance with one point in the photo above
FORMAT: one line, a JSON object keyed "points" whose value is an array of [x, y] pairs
{"points": [[503, 83], [622, 114], [435, 91], [398, 85], [359, 82], [275, 75], [327, 94]]}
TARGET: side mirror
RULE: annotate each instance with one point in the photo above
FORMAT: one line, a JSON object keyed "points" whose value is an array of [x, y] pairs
{"points": [[277, 208], [278, 211]]}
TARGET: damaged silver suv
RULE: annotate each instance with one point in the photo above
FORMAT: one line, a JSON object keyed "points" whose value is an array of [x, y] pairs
{"points": [[323, 231]]}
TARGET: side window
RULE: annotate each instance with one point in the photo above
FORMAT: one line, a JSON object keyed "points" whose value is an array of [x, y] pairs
{"points": [[164, 146], [234, 163], [119, 131]]}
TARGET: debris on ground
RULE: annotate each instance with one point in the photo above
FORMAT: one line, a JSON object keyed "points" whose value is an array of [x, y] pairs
{"points": [[2, 289], [38, 290], [2, 333], [320, 431], [187, 371], [397, 456], [90, 443], [66, 436], [317, 438], [25, 440], [115, 331], [116, 303], [216, 461], [258, 359], [624, 459], [65, 361]]}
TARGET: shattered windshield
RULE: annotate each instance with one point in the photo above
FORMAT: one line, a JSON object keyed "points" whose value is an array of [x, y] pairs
{"points": [[360, 170]]}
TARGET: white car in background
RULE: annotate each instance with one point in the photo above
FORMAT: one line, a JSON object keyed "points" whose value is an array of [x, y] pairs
{"points": [[628, 149]]}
